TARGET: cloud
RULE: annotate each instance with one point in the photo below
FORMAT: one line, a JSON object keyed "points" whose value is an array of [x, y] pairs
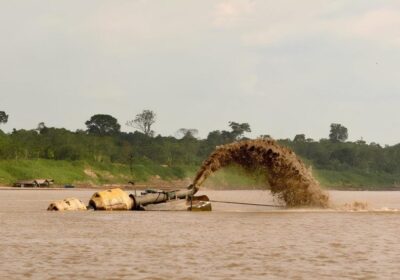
{"points": [[231, 58], [378, 25], [231, 13], [262, 25]]}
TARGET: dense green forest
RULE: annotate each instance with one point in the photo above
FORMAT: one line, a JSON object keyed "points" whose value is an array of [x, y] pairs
{"points": [[121, 156]]}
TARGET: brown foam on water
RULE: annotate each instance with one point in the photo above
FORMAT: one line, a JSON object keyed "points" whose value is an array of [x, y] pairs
{"points": [[287, 176], [355, 206]]}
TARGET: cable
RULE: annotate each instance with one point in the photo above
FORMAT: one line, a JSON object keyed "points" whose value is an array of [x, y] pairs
{"points": [[244, 203]]}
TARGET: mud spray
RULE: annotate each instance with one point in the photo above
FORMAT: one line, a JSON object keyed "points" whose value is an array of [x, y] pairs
{"points": [[287, 176]]}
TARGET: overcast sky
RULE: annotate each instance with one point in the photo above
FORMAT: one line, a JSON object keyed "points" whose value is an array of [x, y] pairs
{"points": [[285, 67]]}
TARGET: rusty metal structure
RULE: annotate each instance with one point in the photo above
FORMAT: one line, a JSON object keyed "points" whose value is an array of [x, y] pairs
{"points": [[113, 199], [68, 204], [119, 200]]}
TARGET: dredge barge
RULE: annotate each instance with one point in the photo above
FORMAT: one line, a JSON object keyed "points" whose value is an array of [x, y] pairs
{"points": [[119, 200]]}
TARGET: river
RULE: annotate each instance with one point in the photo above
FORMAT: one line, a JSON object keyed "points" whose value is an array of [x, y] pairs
{"points": [[231, 242]]}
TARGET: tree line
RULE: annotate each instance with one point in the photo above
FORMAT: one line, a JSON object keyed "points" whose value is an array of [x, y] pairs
{"points": [[104, 141]]}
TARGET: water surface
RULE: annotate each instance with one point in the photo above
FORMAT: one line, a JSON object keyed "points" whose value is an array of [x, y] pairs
{"points": [[232, 242]]}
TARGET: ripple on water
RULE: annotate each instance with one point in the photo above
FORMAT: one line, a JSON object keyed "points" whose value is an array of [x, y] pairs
{"points": [[255, 243]]}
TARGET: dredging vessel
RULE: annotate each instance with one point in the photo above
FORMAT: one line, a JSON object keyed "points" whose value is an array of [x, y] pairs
{"points": [[117, 199]]}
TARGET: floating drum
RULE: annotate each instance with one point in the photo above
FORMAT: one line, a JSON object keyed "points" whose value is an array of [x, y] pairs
{"points": [[68, 204], [113, 199]]}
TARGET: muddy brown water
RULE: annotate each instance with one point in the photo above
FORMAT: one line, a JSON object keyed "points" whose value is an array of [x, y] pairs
{"points": [[232, 242]]}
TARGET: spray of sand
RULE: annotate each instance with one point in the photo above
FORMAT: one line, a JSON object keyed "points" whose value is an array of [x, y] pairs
{"points": [[287, 176]]}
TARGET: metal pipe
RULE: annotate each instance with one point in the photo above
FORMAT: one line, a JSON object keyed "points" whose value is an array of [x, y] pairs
{"points": [[160, 197]]}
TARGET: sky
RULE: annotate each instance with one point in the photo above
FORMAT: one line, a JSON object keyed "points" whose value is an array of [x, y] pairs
{"points": [[285, 67]]}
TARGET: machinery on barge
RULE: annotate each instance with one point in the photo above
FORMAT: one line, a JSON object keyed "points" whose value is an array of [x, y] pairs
{"points": [[119, 200]]}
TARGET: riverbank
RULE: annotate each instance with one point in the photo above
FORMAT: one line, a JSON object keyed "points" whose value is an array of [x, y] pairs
{"points": [[95, 175], [182, 184]]}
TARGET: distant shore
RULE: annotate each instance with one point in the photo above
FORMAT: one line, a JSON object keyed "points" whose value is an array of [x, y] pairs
{"points": [[168, 187], [95, 175]]}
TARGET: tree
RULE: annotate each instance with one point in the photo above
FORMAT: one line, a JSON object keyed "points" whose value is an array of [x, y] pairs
{"points": [[300, 138], [361, 141], [102, 125], [188, 133], [3, 117], [214, 138], [345, 155], [238, 129], [143, 122], [338, 133], [265, 137], [42, 128]]}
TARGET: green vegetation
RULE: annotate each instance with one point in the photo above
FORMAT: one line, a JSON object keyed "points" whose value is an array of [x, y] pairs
{"points": [[81, 172], [3, 117], [143, 122], [357, 179], [104, 154], [103, 125]]}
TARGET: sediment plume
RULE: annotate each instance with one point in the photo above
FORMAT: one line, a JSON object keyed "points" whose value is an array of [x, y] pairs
{"points": [[287, 176], [355, 206]]}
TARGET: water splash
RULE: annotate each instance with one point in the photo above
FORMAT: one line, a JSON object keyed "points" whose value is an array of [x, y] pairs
{"points": [[287, 176], [355, 206]]}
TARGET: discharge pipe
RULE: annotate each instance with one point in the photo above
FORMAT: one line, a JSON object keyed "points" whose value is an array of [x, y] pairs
{"points": [[160, 197]]}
